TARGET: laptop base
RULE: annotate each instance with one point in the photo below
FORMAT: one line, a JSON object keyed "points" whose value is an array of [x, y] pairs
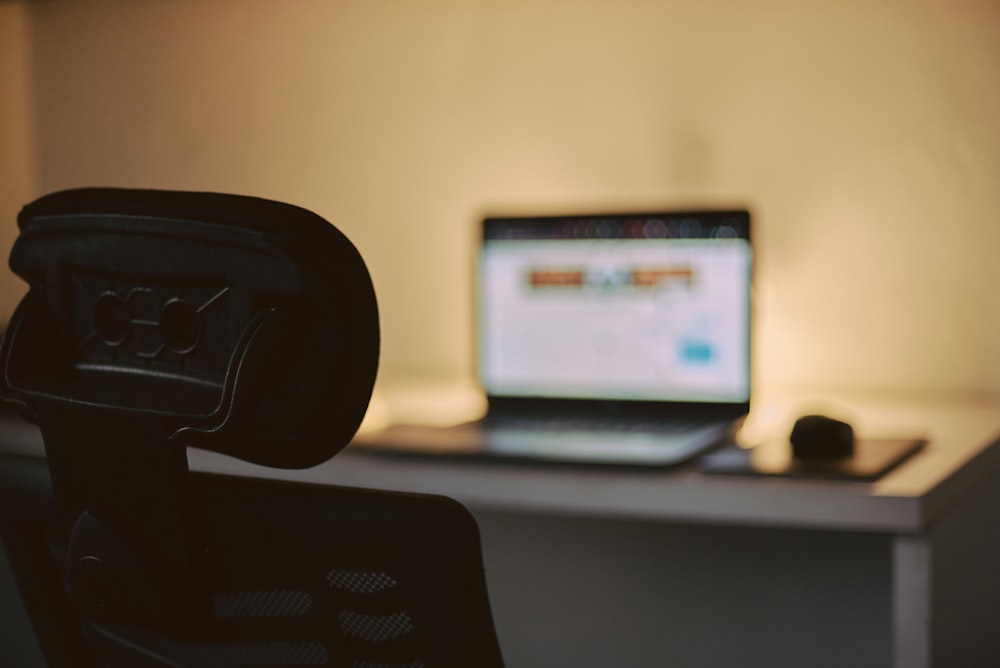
{"points": [[574, 447]]}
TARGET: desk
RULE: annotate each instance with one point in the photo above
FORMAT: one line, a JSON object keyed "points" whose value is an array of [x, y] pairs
{"points": [[653, 568]]}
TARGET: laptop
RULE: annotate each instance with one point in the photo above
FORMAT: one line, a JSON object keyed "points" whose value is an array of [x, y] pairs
{"points": [[617, 339]]}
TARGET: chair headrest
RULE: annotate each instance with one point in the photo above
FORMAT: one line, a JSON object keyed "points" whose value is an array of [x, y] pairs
{"points": [[230, 323]]}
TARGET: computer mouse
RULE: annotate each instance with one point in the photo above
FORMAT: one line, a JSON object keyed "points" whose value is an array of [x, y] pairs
{"points": [[821, 438]]}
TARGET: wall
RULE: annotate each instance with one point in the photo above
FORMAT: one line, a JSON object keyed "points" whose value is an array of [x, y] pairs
{"points": [[863, 133], [18, 176]]}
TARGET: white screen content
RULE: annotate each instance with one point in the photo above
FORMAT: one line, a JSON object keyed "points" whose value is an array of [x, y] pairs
{"points": [[650, 319]]}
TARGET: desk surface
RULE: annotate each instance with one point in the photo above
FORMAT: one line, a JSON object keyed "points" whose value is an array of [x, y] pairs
{"points": [[962, 452]]}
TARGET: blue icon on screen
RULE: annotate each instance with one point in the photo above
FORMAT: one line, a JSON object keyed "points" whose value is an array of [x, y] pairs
{"points": [[695, 351]]}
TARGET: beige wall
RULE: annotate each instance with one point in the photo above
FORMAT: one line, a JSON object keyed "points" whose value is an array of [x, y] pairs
{"points": [[864, 134], [18, 176]]}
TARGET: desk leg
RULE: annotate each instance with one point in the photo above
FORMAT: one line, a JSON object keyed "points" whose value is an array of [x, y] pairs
{"points": [[911, 601], [946, 587]]}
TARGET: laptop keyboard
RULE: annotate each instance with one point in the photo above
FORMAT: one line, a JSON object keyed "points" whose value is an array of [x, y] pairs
{"points": [[600, 423]]}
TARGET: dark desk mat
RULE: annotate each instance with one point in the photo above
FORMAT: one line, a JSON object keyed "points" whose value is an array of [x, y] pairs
{"points": [[872, 459]]}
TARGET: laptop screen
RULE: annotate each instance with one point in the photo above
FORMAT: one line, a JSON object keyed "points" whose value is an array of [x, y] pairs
{"points": [[643, 307]]}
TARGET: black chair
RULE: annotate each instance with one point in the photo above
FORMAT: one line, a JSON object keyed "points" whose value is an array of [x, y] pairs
{"points": [[158, 321]]}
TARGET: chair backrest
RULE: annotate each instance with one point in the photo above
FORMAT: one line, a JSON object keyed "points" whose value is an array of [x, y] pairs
{"points": [[298, 575], [157, 321]]}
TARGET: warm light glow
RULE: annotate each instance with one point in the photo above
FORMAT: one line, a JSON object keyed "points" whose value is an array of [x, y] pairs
{"points": [[427, 402]]}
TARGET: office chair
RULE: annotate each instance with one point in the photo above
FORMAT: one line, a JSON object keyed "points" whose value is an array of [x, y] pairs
{"points": [[158, 321]]}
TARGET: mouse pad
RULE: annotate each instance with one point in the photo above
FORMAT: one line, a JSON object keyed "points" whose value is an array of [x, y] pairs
{"points": [[872, 459]]}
